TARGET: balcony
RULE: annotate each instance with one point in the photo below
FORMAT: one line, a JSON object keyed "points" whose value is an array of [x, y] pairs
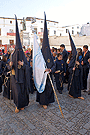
{"points": [[11, 34]]}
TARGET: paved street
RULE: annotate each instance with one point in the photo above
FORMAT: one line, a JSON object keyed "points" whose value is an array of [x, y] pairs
{"points": [[35, 120]]}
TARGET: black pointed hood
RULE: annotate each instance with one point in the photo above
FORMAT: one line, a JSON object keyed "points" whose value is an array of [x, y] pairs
{"points": [[18, 55], [18, 41], [74, 51], [73, 47], [46, 48]]}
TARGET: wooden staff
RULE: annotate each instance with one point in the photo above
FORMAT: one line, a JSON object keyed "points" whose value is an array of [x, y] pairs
{"points": [[55, 95]]}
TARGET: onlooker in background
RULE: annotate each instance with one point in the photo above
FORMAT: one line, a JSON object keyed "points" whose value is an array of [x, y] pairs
{"points": [[28, 58], [88, 80], [3, 52], [65, 57], [85, 65], [80, 55], [55, 49], [64, 53], [0, 77], [52, 50], [8, 54], [6, 91], [58, 50], [54, 56], [60, 72], [2, 66]]}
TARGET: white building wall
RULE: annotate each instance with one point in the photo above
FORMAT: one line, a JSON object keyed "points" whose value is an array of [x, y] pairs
{"points": [[6, 27], [71, 28], [52, 26]]}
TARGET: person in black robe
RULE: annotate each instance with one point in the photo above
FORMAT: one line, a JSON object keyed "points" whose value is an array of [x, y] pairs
{"points": [[75, 76], [60, 72], [85, 65], [6, 92], [65, 57], [20, 78], [64, 53], [0, 77], [88, 80], [3, 65], [76, 81], [47, 96]]}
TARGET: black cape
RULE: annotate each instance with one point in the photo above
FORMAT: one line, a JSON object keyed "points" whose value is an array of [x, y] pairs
{"points": [[21, 80], [6, 92], [20, 90], [48, 95], [75, 81], [76, 86]]}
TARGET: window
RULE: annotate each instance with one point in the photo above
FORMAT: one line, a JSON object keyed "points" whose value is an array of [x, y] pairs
{"points": [[77, 32], [48, 22], [72, 31], [10, 21], [41, 21], [77, 27], [0, 42], [54, 23], [66, 30], [54, 31], [72, 27], [60, 34], [41, 29], [11, 42], [11, 30]]}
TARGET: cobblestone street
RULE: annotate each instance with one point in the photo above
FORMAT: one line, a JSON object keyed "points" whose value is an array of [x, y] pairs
{"points": [[35, 120]]}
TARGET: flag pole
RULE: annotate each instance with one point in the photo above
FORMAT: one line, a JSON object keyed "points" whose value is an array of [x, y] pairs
{"points": [[55, 94]]}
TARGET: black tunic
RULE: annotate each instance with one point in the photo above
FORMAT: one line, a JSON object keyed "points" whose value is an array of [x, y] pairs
{"points": [[48, 95], [21, 80], [6, 92], [59, 77], [21, 90], [76, 84], [85, 69], [2, 66]]}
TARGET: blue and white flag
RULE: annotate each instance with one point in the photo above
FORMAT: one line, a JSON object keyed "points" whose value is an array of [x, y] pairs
{"points": [[39, 65]]}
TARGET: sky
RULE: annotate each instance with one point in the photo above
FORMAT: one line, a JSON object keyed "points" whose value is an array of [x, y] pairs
{"points": [[66, 12]]}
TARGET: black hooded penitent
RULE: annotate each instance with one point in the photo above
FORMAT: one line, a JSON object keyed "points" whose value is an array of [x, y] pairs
{"points": [[21, 80]]}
